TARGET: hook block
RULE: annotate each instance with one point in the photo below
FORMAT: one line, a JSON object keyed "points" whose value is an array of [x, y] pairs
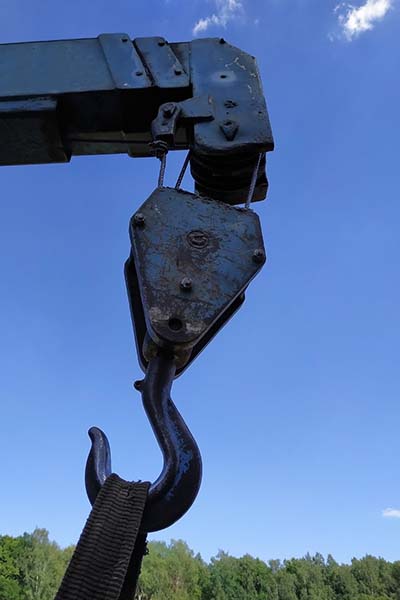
{"points": [[185, 238]]}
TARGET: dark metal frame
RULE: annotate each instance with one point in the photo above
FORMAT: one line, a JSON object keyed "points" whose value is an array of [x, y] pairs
{"points": [[67, 98]]}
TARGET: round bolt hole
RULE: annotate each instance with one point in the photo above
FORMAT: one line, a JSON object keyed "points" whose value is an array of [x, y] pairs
{"points": [[223, 76], [124, 39], [175, 324], [139, 73], [228, 123]]}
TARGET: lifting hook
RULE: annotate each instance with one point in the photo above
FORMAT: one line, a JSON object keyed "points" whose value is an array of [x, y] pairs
{"points": [[176, 488]]}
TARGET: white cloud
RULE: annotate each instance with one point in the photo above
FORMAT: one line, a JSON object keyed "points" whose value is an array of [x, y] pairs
{"points": [[355, 20], [393, 513], [226, 10]]}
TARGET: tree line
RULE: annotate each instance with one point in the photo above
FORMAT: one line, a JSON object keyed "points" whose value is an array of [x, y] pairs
{"points": [[32, 566]]}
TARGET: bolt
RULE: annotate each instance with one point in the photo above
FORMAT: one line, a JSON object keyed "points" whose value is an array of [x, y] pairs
{"points": [[177, 71], [186, 284], [139, 73], [169, 109], [222, 41], [230, 103], [161, 43], [258, 255], [139, 220]]}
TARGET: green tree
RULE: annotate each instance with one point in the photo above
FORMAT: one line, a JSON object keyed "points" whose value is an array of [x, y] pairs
{"points": [[10, 575], [374, 578], [171, 572], [42, 565], [237, 578]]}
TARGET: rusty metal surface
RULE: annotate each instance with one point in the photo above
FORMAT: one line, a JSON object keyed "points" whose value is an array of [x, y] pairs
{"points": [[164, 66], [108, 90], [232, 78], [194, 257], [241, 126]]}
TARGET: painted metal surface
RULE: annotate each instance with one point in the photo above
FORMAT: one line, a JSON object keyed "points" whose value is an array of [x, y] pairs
{"points": [[165, 67], [29, 132], [177, 486], [227, 148], [178, 237], [232, 78], [70, 66], [106, 92]]}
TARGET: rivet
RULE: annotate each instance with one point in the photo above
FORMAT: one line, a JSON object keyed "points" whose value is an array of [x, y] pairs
{"points": [[186, 284], [259, 255], [169, 109], [139, 220]]}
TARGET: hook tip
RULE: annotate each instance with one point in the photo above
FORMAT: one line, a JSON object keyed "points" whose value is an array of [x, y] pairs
{"points": [[98, 465]]}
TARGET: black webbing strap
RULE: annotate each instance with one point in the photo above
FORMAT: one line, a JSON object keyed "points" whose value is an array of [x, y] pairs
{"points": [[107, 559]]}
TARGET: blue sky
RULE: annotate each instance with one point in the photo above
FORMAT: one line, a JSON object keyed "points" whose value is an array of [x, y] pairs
{"points": [[299, 396]]}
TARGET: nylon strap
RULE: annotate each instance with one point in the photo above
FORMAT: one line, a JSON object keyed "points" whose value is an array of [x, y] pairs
{"points": [[107, 559]]}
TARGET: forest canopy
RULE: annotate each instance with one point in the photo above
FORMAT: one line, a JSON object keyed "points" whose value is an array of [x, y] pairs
{"points": [[32, 566]]}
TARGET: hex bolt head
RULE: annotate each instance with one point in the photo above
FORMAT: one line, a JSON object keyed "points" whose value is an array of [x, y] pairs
{"points": [[169, 109], [186, 284], [259, 255], [139, 220]]}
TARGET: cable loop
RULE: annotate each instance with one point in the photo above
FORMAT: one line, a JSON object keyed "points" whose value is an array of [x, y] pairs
{"points": [[160, 151]]}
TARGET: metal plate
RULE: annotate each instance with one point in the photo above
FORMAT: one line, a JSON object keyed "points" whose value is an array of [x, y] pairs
{"points": [[164, 66], [232, 78], [70, 66], [193, 256]]}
